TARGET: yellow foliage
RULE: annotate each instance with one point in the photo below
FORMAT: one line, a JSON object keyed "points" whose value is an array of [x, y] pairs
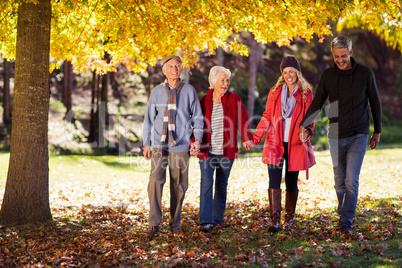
{"points": [[383, 17], [139, 32]]}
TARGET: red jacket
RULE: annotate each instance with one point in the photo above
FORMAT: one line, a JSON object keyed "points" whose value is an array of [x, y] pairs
{"points": [[235, 121], [300, 154]]}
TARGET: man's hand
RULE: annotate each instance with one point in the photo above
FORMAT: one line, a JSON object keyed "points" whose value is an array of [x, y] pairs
{"points": [[374, 140], [304, 134], [147, 152], [195, 148], [248, 145]]}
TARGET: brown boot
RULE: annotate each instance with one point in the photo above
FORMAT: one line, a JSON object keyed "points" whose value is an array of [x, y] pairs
{"points": [[290, 207], [275, 208]]}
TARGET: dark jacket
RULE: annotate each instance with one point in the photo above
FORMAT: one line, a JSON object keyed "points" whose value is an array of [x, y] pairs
{"points": [[348, 92], [235, 121]]}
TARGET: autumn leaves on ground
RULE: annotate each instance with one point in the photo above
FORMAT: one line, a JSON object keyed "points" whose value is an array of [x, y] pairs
{"points": [[100, 207]]}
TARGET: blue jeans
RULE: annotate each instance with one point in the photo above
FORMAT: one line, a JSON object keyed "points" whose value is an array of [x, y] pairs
{"points": [[212, 209], [347, 158]]}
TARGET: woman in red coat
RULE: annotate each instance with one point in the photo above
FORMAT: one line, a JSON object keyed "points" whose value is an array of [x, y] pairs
{"points": [[224, 118], [286, 106]]}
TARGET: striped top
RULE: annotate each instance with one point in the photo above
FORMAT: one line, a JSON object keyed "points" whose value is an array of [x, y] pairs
{"points": [[216, 147]]}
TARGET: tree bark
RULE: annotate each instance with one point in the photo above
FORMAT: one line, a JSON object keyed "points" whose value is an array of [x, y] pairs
{"points": [[252, 72], [220, 56], [26, 198], [380, 52], [6, 94], [67, 85], [94, 123]]}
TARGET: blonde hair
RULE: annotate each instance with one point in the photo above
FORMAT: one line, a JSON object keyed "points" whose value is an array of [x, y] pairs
{"points": [[303, 84], [214, 72]]}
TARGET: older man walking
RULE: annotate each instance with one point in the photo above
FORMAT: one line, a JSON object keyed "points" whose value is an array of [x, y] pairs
{"points": [[173, 114], [350, 88]]}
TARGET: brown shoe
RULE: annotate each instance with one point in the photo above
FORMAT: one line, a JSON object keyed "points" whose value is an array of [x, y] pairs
{"points": [[152, 231]]}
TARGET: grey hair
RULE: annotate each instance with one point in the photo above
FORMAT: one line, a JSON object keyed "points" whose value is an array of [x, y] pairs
{"points": [[164, 67], [341, 42], [214, 72]]}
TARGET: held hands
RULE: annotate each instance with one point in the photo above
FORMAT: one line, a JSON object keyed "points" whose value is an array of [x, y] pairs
{"points": [[248, 145], [195, 148], [147, 152], [304, 134], [374, 140]]}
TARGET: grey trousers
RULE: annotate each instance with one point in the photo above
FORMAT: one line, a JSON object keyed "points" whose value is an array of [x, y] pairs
{"points": [[178, 171]]}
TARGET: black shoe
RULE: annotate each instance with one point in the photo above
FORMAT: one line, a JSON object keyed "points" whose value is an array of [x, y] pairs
{"points": [[206, 227], [152, 231], [345, 230]]}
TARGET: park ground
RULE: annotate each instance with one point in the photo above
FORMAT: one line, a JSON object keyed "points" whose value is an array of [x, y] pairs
{"points": [[100, 207]]}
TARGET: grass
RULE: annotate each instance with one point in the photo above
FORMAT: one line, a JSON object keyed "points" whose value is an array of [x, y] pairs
{"points": [[100, 208]]}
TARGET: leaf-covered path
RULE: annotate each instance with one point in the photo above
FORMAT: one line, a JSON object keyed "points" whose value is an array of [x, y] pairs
{"points": [[100, 207]]}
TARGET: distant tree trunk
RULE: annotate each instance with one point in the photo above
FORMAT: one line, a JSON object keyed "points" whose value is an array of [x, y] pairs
{"points": [[115, 86], [104, 95], [93, 123], [252, 72], [220, 56], [26, 198], [186, 76], [6, 95], [67, 85], [319, 61], [380, 53]]}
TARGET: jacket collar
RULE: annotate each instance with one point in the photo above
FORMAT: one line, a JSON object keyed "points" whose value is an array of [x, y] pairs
{"points": [[210, 92], [277, 92]]}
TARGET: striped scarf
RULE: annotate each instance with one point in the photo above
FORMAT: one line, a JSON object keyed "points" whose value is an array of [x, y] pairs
{"points": [[169, 118]]}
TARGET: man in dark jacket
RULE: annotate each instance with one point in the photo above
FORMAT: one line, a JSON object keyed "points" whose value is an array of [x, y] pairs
{"points": [[350, 88]]}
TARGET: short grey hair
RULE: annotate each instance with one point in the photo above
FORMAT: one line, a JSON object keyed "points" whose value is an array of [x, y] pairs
{"points": [[341, 42], [214, 72]]}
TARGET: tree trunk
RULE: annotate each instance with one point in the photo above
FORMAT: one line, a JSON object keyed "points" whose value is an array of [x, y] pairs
{"points": [[67, 85], [115, 86], [380, 53], [319, 61], [252, 72], [104, 99], [220, 56], [6, 94], [93, 123], [26, 198]]}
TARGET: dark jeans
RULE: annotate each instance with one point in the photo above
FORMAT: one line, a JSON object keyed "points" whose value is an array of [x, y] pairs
{"points": [[275, 174], [213, 208]]}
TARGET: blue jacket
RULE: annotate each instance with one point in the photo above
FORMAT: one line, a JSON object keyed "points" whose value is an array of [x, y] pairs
{"points": [[189, 118]]}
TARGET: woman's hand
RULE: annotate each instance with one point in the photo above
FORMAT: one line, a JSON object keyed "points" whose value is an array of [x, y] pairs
{"points": [[248, 145], [304, 134], [195, 148]]}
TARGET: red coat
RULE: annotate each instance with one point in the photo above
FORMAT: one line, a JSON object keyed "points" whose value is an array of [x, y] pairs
{"points": [[235, 121], [300, 154]]}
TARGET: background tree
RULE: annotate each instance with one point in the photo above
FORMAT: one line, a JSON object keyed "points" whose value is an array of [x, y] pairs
{"points": [[6, 94], [26, 197], [67, 85]]}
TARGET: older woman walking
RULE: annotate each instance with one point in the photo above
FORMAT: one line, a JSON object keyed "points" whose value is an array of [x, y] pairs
{"points": [[224, 117], [287, 103]]}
